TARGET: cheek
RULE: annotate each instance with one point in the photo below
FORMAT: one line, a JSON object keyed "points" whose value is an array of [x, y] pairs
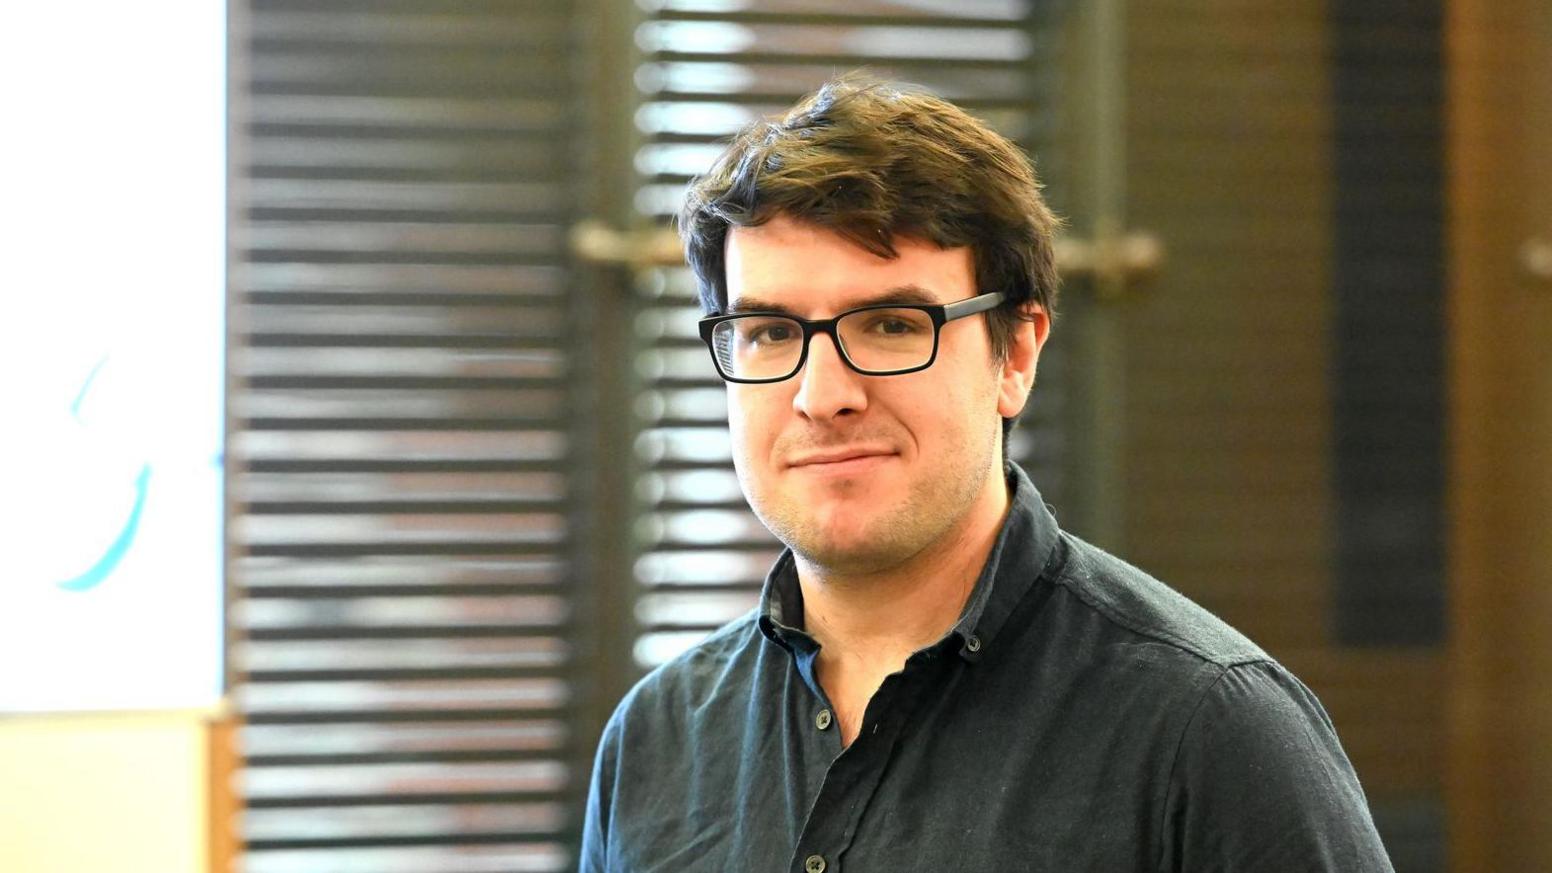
{"points": [[949, 415], [735, 419], [749, 419]]}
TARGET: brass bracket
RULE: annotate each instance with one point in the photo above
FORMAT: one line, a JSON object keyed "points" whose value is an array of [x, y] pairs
{"points": [[594, 242], [1113, 262], [1536, 259]]}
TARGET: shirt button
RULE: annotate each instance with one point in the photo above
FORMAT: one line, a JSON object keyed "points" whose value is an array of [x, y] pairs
{"points": [[822, 721], [814, 864], [973, 644]]}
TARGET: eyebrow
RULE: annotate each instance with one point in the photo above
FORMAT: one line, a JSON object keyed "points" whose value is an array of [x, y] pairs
{"points": [[904, 295]]}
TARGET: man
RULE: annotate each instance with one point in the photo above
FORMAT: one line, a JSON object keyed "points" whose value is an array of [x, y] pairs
{"points": [[936, 677]]}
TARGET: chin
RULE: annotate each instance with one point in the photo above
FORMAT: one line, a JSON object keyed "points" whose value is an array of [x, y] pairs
{"points": [[826, 552], [851, 540], [851, 558]]}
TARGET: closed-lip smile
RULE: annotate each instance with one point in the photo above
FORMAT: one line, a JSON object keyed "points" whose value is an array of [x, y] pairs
{"points": [[836, 456]]}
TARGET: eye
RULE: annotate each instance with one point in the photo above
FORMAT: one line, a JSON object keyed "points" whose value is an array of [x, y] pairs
{"points": [[768, 331], [893, 324], [772, 333]]}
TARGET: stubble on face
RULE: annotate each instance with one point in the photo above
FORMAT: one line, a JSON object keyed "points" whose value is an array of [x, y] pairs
{"points": [[942, 424], [840, 528]]}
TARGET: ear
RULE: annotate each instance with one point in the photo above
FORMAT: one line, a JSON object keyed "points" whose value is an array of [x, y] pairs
{"points": [[1018, 371]]}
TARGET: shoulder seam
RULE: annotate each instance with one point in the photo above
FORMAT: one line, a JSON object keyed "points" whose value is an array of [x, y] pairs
{"points": [[1225, 661], [1180, 744]]}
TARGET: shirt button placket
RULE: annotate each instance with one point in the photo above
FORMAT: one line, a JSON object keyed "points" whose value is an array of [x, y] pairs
{"points": [[814, 864]]}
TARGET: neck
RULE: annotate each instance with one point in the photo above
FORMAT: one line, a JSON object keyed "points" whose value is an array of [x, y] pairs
{"points": [[885, 615]]}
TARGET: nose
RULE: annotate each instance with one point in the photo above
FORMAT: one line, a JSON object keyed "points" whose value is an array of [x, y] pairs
{"points": [[827, 388]]}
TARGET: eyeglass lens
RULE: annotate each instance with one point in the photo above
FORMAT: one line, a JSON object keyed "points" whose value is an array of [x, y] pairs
{"points": [[874, 340]]}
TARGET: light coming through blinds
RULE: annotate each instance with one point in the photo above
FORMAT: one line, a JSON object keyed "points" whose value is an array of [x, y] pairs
{"points": [[403, 614]]}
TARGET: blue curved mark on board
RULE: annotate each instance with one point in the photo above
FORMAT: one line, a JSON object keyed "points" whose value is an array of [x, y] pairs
{"points": [[75, 405], [104, 566], [116, 551]]}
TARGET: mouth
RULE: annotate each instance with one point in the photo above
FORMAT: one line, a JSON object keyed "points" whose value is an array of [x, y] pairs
{"points": [[842, 462]]}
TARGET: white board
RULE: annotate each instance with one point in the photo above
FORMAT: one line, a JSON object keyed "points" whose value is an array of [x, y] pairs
{"points": [[113, 169]]}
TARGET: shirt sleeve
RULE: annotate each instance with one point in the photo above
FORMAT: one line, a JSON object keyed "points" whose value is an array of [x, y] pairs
{"points": [[593, 856], [1260, 783]]}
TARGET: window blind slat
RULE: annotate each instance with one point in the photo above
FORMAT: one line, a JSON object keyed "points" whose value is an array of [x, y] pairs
{"points": [[402, 501]]}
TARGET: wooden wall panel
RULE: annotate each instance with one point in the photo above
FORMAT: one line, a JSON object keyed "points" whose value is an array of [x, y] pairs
{"points": [[1500, 785], [1230, 485], [1227, 404]]}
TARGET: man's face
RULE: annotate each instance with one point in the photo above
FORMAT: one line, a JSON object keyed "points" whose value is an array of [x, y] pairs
{"points": [[857, 474]]}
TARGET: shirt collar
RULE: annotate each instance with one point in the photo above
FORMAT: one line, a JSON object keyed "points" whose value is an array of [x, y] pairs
{"points": [[1022, 552], [781, 605]]}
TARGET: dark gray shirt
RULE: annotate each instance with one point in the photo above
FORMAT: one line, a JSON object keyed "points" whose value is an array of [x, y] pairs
{"points": [[1081, 716]]}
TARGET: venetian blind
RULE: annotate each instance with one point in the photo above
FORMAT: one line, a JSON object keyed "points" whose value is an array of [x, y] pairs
{"points": [[706, 69], [401, 434]]}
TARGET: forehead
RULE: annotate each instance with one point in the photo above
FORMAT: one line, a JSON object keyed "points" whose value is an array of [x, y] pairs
{"points": [[804, 268]]}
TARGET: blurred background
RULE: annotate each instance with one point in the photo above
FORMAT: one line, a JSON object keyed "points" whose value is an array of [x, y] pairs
{"points": [[476, 469]]}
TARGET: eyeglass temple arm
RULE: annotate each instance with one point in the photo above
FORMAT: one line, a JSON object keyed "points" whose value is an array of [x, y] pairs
{"points": [[981, 303]]}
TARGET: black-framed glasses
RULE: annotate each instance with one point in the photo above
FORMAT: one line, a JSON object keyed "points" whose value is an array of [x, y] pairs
{"points": [[884, 339]]}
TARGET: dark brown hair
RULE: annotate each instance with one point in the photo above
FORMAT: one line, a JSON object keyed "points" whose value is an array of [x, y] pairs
{"points": [[871, 160]]}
